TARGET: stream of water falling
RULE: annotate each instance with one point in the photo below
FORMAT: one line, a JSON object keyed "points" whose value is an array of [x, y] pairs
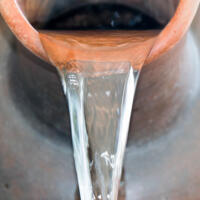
{"points": [[100, 95], [99, 76], [100, 104], [99, 87]]}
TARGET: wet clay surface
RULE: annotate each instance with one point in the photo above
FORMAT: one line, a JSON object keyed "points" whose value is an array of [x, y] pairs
{"points": [[95, 39], [99, 46]]}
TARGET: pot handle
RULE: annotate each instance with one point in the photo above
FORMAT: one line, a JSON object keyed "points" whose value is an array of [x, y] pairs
{"points": [[20, 26], [175, 29]]}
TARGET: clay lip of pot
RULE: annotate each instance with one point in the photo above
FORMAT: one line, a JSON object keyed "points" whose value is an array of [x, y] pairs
{"points": [[169, 36]]}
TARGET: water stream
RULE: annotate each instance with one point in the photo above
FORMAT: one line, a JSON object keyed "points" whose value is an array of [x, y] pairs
{"points": [[100, 105], [100, 88], [99, 70]]}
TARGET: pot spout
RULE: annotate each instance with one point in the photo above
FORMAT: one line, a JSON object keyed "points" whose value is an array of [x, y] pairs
{"points": [[12, 12]]}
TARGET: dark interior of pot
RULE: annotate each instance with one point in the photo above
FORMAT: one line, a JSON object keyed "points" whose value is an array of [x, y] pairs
{"points": [[42, 11]]}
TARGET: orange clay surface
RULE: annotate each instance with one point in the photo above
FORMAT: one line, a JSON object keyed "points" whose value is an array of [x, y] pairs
{"points": [[98, 46], [170, 35]]}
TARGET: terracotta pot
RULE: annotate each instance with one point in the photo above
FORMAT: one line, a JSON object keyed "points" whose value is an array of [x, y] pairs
{"points": [[173, 32], [157, 102], [166, 87]]}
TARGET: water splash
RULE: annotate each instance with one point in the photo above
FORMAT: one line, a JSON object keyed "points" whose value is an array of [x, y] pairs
{"points": [[100, 97]]}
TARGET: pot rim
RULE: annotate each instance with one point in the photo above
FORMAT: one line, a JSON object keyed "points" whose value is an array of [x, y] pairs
{"points": [[169, 36]]}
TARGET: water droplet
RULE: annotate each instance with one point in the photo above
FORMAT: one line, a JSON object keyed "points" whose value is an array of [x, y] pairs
{"points": [[112, 23], [93, 197], [109, 159], [107, 93], [108, 196], [72, 80]]}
